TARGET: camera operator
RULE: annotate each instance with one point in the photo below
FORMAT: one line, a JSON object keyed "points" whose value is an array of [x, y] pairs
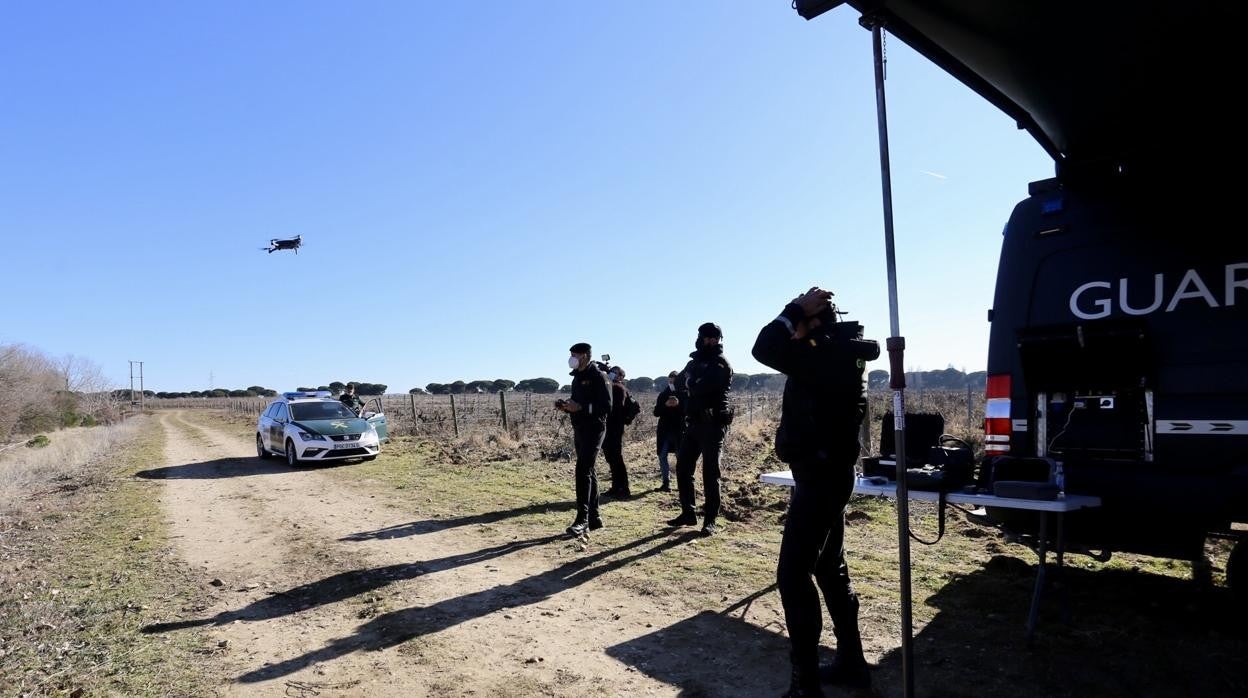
{"points": [[669, 428], [704, 386], [613, 444], [824, 361], [588, 407]]}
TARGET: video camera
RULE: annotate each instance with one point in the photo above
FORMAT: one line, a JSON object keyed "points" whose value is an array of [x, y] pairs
{"points": [[604, 365], [833, 328]]}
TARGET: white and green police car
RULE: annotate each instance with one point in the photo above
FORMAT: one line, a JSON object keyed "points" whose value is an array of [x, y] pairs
{"points": [[309, 427]]}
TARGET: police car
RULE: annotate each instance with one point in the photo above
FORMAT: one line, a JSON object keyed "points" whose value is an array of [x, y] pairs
{"points": [[313, 426]]}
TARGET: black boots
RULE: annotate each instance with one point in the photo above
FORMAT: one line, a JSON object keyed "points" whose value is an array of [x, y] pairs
{"points": [[848, 673], [804, 684], [684, 520]]}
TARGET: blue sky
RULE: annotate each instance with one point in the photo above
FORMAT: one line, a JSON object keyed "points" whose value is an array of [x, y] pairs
{"points": [[478, 185]]}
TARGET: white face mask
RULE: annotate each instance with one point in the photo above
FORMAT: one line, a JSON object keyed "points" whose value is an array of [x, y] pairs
{"points": [[613, 375], [671, 385], [574, 362]]}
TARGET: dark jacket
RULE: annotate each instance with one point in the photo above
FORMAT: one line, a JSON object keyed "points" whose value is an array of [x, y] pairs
{"points": [[703, 386], [615, 420], [671, 419], [352, 401], [590, 390], [823, 396]]}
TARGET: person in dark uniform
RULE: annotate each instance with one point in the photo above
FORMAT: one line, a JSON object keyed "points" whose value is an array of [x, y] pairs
{"points": [[824, 361], [350, 399], [670, 412], [703, 388], [613, 444], [587, 407]]}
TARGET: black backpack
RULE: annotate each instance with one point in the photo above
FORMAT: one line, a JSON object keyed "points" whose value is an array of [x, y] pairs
{"points": [[632, 408]]}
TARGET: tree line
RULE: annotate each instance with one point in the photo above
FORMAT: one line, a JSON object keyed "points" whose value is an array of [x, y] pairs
{"points": [[946, 379], [335, 387]]}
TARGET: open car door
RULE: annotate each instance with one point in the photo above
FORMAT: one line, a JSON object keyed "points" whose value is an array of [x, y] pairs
{"points": [[374, 414]]}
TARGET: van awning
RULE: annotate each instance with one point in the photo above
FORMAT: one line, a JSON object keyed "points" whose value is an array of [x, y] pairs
{"points": [[1124, 81]]}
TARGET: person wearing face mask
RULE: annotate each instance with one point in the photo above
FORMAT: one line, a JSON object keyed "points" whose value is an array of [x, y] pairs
{"points": [[703, 387], [613, 444], [587, 408], [671, 425], [824, 360]]}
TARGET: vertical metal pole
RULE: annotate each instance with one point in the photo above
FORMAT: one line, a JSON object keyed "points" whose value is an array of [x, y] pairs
{"points": [[454, 416], [502, 400], [897, 375], [413, 397], [969, 425], [131, 382], [142, 394]]}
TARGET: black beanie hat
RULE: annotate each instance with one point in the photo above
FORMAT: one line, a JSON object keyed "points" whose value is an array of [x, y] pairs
{"points": [[580, 348], [710, 329]]}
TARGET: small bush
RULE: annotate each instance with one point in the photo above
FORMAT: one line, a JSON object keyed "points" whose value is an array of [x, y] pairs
{"points": [[38, 442]]}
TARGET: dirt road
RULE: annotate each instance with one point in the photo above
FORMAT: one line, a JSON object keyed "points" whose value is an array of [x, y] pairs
{"points": [[319, 589]]}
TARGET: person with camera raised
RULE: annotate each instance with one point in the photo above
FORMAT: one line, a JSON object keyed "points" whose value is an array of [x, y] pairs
{"points": [[613, 444], [669, 428], [824, 360], [703, 387], [587, 407]]}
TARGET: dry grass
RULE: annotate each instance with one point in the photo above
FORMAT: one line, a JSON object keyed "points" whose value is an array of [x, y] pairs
{"points": [[83, 567], [1139, 625], [27, 472]]}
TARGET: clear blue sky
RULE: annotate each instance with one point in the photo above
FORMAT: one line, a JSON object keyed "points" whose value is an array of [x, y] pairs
{"points": [[479, 185]]}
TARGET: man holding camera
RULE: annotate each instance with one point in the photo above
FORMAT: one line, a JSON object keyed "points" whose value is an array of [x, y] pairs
{"points": [[587, 407], [824, 361], [613, 444], [703, 388], [670, 427]]}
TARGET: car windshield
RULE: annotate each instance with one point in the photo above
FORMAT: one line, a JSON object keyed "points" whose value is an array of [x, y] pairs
{"points": [[321, 410]]}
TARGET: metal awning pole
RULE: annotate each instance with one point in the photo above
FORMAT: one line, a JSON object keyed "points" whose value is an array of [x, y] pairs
{"points": [[897, 374]]}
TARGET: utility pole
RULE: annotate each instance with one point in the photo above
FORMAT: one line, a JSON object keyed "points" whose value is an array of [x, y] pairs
{"points": [[141, 400], [142, 393]]}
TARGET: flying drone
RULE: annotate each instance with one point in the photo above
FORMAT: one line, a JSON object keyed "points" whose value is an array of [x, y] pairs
{"points": [[288, 244]]}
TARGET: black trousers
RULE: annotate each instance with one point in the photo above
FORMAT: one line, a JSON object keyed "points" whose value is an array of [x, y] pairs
{"points": [[587, 440], [613, 451], [704, 439], [814, 545]]}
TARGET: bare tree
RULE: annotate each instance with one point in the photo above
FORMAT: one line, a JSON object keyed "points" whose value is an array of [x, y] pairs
{"points": [[26, 378]]}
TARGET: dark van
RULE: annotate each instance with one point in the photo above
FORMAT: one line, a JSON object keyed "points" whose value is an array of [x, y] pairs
{"points": [[1119, 340]]}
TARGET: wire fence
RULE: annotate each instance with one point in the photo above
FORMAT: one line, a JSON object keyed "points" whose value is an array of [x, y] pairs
{"points": [[520, 415]]}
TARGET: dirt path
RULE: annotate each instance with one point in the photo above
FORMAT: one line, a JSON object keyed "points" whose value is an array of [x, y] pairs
{"points": [[317, 596]]}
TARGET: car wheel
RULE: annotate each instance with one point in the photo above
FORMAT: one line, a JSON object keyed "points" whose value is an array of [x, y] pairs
{"points": [[261, 451], [291, 458]]}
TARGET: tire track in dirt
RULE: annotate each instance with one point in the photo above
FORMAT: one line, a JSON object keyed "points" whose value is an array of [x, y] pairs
{"points": [[318, 598]]}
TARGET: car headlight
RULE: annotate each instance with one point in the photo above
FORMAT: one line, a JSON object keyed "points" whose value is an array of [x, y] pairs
{"points": [[308, 436]]}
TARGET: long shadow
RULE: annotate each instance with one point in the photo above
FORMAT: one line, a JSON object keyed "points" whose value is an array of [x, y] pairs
{"points": [[230, 467], [744, 659], [346, 585], [1129, 634], [397, 627], [415, 528]]}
